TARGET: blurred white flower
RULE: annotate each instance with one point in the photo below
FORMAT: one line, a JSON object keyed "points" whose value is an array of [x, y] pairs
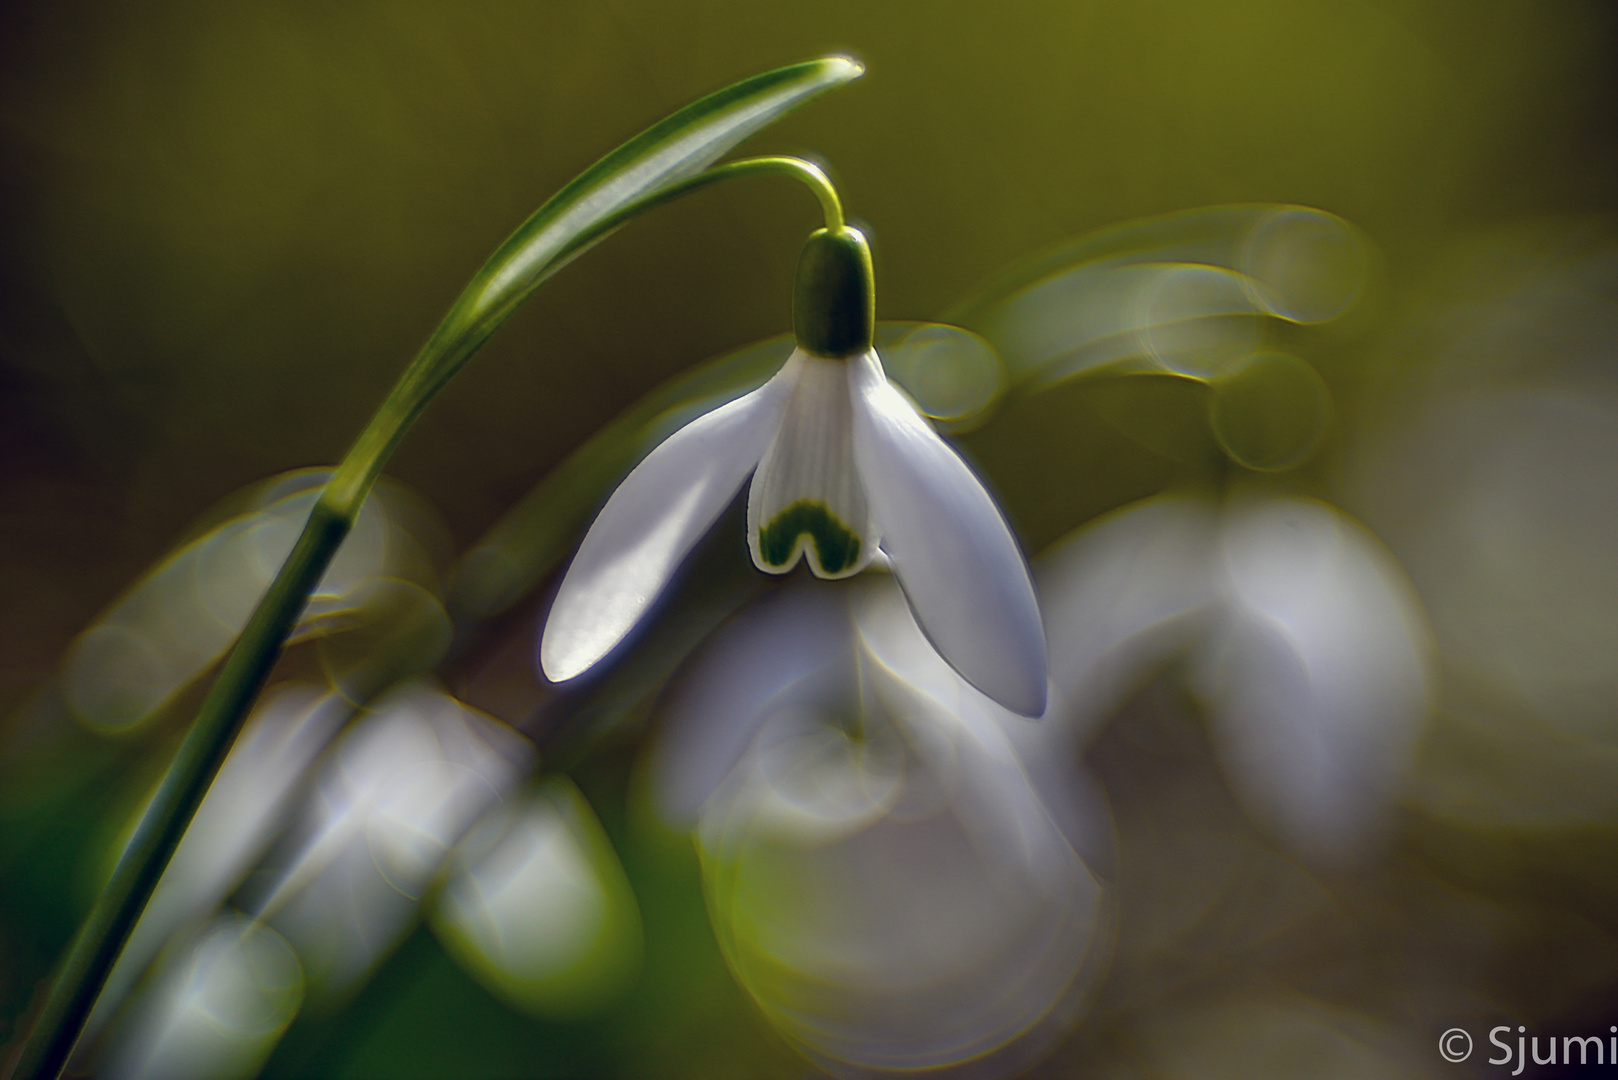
{"points": [[1304, 640], [1188, 292], [246, 806], [880, 870], [392, 797], [175, 623], [216, 1010], [842, 462], [537, 907]]}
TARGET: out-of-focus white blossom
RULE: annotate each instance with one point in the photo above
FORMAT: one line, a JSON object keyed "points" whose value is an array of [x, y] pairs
{"points": [[179, 619], [537, 908], [216, 1011], [1317, 676], [1304, 641], [874, 854], [392, 797], [245, 807], [1186, 292]]}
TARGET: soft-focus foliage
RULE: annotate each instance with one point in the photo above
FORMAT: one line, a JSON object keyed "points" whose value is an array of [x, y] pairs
{"points": [[178, 620], [1312, 457]]}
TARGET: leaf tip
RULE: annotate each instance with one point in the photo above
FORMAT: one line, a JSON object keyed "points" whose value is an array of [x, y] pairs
{"points": [[842, 67]]}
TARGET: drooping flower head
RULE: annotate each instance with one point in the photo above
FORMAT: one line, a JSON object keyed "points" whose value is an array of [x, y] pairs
{"points": [[845, 473]]}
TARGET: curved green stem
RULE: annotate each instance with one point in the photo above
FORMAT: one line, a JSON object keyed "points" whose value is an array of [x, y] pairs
{"points": [[671, 158], [460, 334], [798, 169], [805, 172]]}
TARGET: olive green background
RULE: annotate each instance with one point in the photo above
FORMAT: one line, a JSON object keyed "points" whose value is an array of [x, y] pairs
{"points": [[227, 227]]}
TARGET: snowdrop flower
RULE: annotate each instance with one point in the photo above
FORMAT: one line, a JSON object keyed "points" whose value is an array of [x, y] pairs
{"points": [[1301, 636], [842, 465], [882, 873]]}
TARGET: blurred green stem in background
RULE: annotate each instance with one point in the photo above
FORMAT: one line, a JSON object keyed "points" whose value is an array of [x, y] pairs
{"points": [[669, 159]]}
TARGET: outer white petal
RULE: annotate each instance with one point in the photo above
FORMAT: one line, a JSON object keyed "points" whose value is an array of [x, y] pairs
{"points": [[952, 550], [651, 522]]}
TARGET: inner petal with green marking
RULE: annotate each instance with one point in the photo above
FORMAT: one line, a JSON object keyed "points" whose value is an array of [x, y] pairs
{"points": [[807, 527], [807, 500]]}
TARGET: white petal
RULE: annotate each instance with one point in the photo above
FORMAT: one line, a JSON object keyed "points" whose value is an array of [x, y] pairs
{"points": [[651, 522], [389, 802], [952, 550], [806, 498]]}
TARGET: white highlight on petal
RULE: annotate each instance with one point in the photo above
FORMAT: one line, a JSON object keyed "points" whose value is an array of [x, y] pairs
{"points": [[650, 524], [812, 458], [952, 551]]}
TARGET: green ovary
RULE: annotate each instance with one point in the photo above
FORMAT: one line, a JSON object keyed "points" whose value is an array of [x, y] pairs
{"points": [[837, 547]]}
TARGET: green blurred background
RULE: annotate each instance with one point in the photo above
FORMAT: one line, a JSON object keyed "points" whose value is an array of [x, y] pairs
{"points": [[225, 228]]}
